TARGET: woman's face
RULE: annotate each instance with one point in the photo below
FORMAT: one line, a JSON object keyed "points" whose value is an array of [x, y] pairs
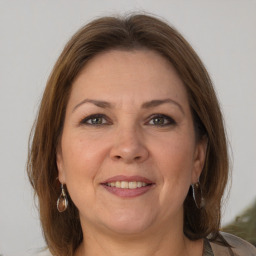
{"points": [[128, 152]]}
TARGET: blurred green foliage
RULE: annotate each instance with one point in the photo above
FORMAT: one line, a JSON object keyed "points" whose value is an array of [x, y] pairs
{"points": [[244, 225]]}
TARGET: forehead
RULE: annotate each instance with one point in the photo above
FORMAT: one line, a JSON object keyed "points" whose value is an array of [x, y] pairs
{"points": [[134, 75]]}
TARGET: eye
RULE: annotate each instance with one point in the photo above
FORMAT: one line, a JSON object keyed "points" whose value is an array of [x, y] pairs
{"points": [[96, 120], [161, 120]]}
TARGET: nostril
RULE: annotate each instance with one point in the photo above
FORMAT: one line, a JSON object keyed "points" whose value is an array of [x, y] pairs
{"points": [[129, 152], [135, 158]]}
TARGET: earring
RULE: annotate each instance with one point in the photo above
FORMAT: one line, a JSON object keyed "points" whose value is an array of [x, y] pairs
{"points": [[197, 195], [62, 202]]}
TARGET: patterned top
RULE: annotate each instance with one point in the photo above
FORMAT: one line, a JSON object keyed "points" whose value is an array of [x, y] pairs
{"points": [[238, 245], [207, 249]]}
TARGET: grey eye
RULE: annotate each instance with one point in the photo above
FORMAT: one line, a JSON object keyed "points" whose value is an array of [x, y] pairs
{"points": [[161, 120], [158, 121], [97, 119]]}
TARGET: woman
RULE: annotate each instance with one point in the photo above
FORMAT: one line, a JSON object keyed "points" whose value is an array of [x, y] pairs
{"points": [[129, 141]]}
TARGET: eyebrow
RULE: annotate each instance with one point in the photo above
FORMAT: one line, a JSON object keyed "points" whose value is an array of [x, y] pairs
{"points": [[98, 103], [145, 105], [155, 103]]}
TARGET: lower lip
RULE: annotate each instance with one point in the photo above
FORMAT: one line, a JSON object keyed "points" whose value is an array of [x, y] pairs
{"points": [[126, 192]]}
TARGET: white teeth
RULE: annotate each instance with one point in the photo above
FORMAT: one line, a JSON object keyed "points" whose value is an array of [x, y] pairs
{"points": [[139, 184], [132, 184], [127, 184], [124, 184]]}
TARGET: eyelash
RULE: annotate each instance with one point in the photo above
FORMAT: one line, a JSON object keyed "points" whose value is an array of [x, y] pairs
{"points": [[86, 120], [166, 120]]}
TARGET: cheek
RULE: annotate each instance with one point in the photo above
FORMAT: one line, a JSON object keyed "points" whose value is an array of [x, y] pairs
{"points": [[177, 171], [84, 157], [177, 153], [176, 165], [81, 152], [80, 162], [79, 172]]}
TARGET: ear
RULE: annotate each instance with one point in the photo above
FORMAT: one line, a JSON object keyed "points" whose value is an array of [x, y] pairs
{"points": [[60, 165], [199, 158]]}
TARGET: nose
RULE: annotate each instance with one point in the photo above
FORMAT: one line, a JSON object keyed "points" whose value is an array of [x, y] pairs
{"points": [[129, 146]]}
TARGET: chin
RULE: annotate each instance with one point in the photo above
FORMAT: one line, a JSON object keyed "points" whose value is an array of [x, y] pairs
{"points": [[128, 228], [128, 224]]}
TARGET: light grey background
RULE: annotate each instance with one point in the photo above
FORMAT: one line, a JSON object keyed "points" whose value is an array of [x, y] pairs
{"points": [[32, 35]]}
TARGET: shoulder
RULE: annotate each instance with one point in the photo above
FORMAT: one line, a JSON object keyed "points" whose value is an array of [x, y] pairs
{"points": [[239, 246]]}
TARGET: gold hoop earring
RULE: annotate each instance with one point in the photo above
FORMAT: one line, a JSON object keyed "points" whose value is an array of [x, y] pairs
{"points": [[62, 202], [198, 195]]}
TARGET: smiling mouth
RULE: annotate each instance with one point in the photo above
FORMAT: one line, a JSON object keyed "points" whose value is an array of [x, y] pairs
{"points": [[128, 184]]}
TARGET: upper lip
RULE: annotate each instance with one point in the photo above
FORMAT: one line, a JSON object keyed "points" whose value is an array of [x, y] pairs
{"points": [[128, 179]]}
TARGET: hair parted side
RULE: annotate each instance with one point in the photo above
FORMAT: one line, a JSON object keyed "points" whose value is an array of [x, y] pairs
{"points": [[63, 231]]}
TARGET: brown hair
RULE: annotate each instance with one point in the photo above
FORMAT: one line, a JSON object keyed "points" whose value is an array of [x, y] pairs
{"points": [[63, 231]]}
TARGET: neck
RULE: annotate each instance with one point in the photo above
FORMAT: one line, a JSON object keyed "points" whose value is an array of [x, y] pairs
{"points": [[154, 243]]}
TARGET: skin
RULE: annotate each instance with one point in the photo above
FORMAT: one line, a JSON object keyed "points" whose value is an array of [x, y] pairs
{"points": [[130, 138]]}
